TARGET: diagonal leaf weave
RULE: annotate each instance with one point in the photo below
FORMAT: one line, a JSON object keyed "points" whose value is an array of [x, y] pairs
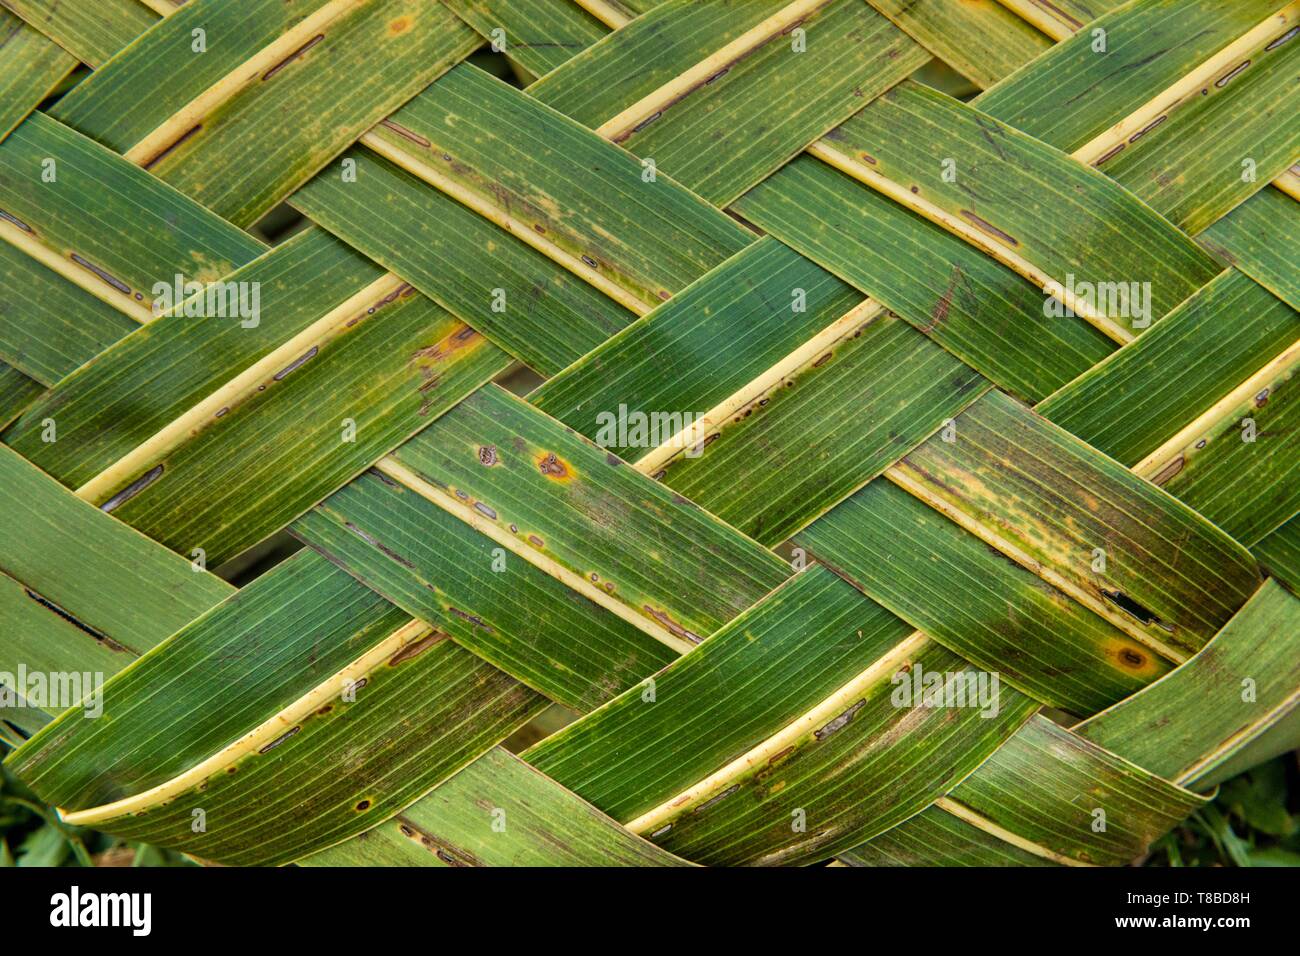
{"points": [[726, 432]]}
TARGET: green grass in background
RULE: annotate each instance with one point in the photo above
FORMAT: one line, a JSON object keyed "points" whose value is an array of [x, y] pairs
{"points": [[31, 834]]}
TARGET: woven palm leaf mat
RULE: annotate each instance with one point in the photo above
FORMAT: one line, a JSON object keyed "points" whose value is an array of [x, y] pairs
{"points": [[897, 461]]}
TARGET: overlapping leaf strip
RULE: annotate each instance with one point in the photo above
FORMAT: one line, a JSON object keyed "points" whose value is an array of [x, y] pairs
{"points": [[751, 212]]}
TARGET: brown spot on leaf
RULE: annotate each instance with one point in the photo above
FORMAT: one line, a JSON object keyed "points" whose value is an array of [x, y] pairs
{"points": [[985, 226], [376, 543], [444, 851], [1131, 658], [279, 740], [16, 221], [49, 605], [840, 721], [301, 51], [471, 619], [403, 131], [417, 648], [941, 308], [1109, 155], [112, 280], [1168, 471], [553, 466], [673, 627]]}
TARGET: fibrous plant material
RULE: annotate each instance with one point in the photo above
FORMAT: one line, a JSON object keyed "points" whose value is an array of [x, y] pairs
{"points": [[905, 469]]}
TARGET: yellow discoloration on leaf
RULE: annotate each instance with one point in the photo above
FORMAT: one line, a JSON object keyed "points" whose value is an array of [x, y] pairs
{"points": [[1134, 659], [556, 468]]}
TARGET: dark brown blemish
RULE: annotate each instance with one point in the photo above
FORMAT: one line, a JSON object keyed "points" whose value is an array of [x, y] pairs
{"points": [[941, 308], [1228, 77], [1148, 128], [279, 740], [676, 629], [839, 722], [301, 51], [16, 221], [296, 364], [166, 151], [1048, 5], [536, 542], [49, 605], [451, 855], [416, 649], [402, 290], [553, 466], [1133, 609], [1131, 658], [718, 799], [1283, 38], [133, 489], [413, 137], [471, 619], [780, 755], [1167, 472], [487, 455], [485, 510], [988, 227], [436, 353], [376, 543], [116, 283], [1109, 155], [363, 805]]}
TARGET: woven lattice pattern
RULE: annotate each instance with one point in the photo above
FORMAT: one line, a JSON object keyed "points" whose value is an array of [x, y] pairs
{"points": [[754, 432]]}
